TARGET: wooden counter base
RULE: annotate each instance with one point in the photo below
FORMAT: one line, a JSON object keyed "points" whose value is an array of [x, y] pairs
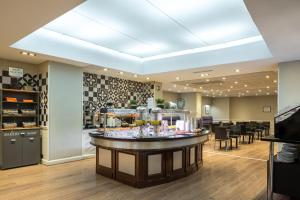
{"points": [[143, 168]]}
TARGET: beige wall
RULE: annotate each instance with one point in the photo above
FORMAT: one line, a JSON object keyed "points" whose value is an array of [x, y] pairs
{"points": [[170, 96], [205, 101], [28, 68], [251, 109], [220, 109]]}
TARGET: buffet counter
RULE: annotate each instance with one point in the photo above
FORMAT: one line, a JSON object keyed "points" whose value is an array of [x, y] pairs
{"points": [[148, 160]]}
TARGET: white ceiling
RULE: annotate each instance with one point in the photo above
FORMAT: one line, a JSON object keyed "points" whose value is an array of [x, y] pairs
{"points": [[151, 36]]}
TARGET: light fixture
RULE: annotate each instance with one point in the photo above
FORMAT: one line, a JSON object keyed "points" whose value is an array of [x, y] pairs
{"points": [[256, 94], [247, 91], [174, 85], [194, 89], [207, 80], [237, 70], [228, 90], [224, 78], [231, 86], [211, 90], [206, 74], [267, 76], [27, 53], [202, 75], [234, 43], [177, 78], [275, 81], [187, 84], [135, 75], [221, 84], [147, 78], [236, 82], [268, 87], [275, 91], [259, 91], [105, 69], [268, 93], [200, 87], [185, 88], [245, 85], [121, 73]]}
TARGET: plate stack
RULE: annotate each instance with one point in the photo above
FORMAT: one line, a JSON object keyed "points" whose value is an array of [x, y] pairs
{"points": [[289, 153]]}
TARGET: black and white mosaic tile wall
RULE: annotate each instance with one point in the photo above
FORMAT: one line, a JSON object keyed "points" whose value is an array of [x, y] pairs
{"points": [[39, 82], [43, 88], [100, 89]]}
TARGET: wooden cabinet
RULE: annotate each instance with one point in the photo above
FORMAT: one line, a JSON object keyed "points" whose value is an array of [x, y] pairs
{"points": [[19, 148]]}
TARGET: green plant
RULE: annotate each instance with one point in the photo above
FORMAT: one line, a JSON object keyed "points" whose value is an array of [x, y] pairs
{"points": [[133, 102], [160, 101], [167, 105]]}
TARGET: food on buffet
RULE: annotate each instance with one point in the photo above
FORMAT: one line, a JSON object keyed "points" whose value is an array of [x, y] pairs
{"points": [[155, 122], [140, 122]]}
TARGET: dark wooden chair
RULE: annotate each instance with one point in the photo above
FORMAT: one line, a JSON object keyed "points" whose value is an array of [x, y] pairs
{"points": [[246, 131], [222, 135], [235, 133]]}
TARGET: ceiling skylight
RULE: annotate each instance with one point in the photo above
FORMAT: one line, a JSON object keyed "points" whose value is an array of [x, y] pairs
{"points": [[147, 30]]}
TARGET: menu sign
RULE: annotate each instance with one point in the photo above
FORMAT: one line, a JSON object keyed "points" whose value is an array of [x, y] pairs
{"points": [[15, 72]]}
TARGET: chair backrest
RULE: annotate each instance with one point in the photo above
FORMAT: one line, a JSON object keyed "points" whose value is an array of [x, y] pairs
{"points": [[243, 129], [221, 133], [235, 130]]}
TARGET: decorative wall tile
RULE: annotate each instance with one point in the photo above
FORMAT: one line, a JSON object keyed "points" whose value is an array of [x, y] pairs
{"points": [[100, 89]]}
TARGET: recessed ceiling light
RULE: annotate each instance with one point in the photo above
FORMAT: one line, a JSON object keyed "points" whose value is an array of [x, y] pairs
{"points": [[259, 90], [236, 82], [221, 84], [105, 69], [200, 87], [135, 76], [247, 91], [275, 81], [121, 73], [268, 87], [187, 84], [267, 76], [224, 78], [225, 95], [268, 93], [231, 86], [211, 90], [237, 70], [31, 54], [207, 80], [185, 88], [174, 85], [256, 94], [148, 78], [206, 74], [275, 91], [27, 53], [245, 85], [177, 78], [24, 53], [228, 90], [202, 75]]}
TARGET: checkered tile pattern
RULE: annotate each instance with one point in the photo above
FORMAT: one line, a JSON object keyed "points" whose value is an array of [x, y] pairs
{"points": [[100, 89], [43, 88]]}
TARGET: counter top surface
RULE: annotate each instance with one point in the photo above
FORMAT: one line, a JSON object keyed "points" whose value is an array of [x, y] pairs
{"points": [[101, 135], [271, 138]]}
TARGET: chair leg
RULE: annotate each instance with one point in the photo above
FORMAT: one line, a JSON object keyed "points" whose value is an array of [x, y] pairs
{"points": [[236, 142], [220, 144]]}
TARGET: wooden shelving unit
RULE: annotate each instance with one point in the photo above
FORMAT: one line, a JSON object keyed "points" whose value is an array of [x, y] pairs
{"points": [[19, 146], [20, 95]]}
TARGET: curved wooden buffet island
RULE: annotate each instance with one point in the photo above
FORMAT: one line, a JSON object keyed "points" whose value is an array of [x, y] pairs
{"points": [[143, 162]]}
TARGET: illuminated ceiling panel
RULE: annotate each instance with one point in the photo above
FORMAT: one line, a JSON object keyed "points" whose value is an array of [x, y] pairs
{"points": [[148, 30]]}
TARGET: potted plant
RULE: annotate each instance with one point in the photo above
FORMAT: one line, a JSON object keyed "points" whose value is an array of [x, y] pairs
{"points": [[133, 104], [160, 103]]}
